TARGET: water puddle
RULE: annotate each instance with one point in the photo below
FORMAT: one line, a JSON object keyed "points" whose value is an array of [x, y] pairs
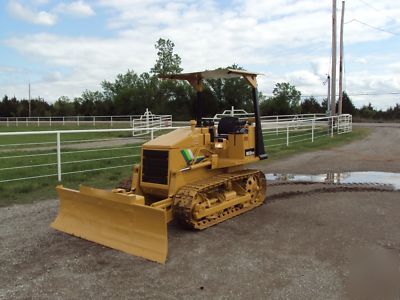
{"points": [[370, 177]]}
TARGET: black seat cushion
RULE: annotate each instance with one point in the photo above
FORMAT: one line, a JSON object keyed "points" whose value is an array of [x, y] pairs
{"points": [[228, 125]]}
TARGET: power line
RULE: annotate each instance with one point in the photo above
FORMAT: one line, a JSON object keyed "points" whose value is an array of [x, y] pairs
{"points": [[380, 10], [353, 94], [375, 94], [373, 27]]}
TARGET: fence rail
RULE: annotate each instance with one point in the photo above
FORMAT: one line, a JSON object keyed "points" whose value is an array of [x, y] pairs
{"points": [[285, 133], [242, 114], [116, 120], [62, 152]]}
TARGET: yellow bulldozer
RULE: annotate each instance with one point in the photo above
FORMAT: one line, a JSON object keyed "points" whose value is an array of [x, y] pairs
{"points": [[193, 175]]}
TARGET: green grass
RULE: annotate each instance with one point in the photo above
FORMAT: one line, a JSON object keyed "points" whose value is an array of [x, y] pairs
{"points": [[321, 141], [27, 191], [51, 137]]}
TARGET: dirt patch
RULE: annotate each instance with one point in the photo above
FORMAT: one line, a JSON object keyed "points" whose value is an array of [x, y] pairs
{"points": [[304, 244]]}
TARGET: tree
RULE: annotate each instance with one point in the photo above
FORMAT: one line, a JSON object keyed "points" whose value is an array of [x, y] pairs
{"points": [[3, 107], [285, 100], [167, 62], [63, 107], [122, 92], [393, 112], [39, 107], [311, 106], [367, 112], [91, 103], [9, 107], [347, 105], [222, 94], [325, 106]]}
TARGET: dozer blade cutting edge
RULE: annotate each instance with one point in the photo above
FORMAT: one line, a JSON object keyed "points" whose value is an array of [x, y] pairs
{"points": [[113, 220]]}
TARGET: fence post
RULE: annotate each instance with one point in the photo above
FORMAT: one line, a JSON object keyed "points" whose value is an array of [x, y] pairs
{"points": [[133, 127], [77, 120], [332, 126], [8, 124], [287, 135], [94, 121], [350, 123], [338, 123], [312, 131], [147, 119], [26, 121], [50, 121], [111, 121], [63, 121], [16, 121], [38, 122], [152, 133], [58, 156], [277, 127]]}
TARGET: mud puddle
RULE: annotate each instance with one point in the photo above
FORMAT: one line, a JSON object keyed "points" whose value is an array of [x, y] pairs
{"points": [[370, 177]]}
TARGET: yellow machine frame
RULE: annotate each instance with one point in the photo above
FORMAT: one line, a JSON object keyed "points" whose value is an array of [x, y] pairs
{"points": [[193, 173]]}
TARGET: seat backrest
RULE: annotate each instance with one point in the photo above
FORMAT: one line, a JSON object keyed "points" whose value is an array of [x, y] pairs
{"points": [[228, 125]]}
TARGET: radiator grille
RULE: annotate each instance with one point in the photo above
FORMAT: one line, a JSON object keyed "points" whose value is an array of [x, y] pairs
{"points": [[155, 166]]}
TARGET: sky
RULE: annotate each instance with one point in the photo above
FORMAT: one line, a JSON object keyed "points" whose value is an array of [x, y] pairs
{"points": [[66, 47]]}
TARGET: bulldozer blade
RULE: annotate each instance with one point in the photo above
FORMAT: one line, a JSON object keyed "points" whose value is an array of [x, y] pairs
{"points": [[113, 220]]}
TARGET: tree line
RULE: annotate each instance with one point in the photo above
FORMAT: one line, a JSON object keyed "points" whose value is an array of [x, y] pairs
{"points": [[132, 93]]}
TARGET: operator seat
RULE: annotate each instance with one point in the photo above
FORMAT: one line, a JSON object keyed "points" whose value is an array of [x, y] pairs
{"points": [[229, 125]]}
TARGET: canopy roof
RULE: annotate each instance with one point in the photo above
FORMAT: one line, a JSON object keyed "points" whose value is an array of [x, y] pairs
{"points": [[195, 78], [210, 74]]}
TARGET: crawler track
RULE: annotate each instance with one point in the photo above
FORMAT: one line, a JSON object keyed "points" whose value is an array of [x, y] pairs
{"points": [[252, 182]]}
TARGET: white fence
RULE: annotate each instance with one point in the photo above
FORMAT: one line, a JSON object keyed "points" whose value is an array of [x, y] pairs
{"points": [[57, 157], [63, 152], [285, 118], [287, 132], [242, 114], [145, 120]]}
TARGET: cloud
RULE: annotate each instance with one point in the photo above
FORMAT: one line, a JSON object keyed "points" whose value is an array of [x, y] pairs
{"points": [[39, 2], [286, 40], [395, 67], [53, 76], [5, 69], [29, 15], [305, 79], [76, 9], [361, 60], [49, 18], [88, 61]]}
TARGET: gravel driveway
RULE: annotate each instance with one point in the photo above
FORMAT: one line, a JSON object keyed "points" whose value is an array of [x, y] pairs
{"points": [[311, 241]]}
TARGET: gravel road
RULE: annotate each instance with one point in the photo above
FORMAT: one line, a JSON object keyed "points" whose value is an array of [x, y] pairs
{"points": [[380, 151], [311, 241]]}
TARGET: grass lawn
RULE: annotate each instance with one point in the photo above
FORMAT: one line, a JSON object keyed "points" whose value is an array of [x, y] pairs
{"points": [[50, 138], [27, 191], [298, 145]]}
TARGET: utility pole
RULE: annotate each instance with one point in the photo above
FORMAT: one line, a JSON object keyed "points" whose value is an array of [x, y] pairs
{"points": [[29, 101], [341, 62], [333, 77], [328, 100]]}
